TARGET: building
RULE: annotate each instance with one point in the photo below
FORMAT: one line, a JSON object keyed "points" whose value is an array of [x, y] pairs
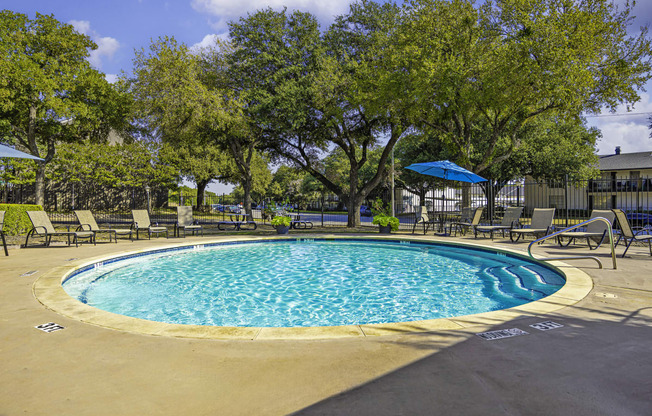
{"points": [[625, 182]]}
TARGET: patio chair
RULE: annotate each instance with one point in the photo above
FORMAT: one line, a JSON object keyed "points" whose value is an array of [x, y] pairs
{"points": [[627, 233], [422, 218], [186, 222], [594, 231], [510, 220], [142, 222], [2, 232], [464, 226], [42, 227], [540, 225], [87, 223]]}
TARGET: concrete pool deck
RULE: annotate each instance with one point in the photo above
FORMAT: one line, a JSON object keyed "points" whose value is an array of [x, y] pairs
{"points": [[598, 363]]}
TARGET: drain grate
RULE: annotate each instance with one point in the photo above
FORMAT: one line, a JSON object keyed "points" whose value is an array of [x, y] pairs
{"points": [[546, 326], [29, 273], [50, 327], [501, 333]]}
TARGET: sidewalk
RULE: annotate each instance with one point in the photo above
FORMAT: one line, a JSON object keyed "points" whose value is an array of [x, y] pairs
{"points": [[598, 363]]}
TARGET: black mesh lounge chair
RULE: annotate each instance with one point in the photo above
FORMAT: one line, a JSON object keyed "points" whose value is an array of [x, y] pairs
{"points": [[2, 231], [463, 225], [142, 222], [594, 231], [42, 227], [422, 218], [87, 223], [185, 222], [510, 220], [627, 233], [540, 225]]}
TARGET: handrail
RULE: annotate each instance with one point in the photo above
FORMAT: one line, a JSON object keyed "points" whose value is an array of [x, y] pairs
{"points": [[556, 233]]}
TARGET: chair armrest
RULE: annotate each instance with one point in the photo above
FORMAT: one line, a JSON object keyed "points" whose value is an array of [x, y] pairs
{"points": [[82, 227]]}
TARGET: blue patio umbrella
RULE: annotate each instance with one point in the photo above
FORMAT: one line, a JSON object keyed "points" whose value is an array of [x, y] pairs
{"points": [[6, 151], [446, 170]]}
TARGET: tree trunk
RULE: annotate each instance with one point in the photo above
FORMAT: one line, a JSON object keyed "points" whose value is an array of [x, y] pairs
{"points": [[40, 184], [201, 191], [354, 201], [246, 187]]}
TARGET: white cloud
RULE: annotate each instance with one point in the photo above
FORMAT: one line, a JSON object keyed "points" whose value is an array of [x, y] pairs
{"points": [[106, 46], [111, 78], [81, 26], [226, 10], [209, 40], [630, 132]]}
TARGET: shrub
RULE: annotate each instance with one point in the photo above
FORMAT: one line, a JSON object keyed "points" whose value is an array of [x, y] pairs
{"points": [[281, 220], [16, 220]]}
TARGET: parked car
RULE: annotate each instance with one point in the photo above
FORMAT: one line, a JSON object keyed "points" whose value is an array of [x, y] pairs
{"points": [[365, 211], [217, 207]]}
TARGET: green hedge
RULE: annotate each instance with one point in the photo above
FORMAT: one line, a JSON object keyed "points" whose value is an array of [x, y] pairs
{"points": [[16, 220]]}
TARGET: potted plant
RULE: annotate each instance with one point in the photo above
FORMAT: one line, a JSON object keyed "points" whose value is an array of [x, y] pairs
{"points": [[281, 223], [386, 223]]}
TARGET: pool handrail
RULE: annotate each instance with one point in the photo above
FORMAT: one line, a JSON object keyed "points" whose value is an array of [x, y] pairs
{"points": [[556, 233]]}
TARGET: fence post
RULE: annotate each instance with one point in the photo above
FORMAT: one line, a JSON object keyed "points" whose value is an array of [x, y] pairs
{"points": [[322, 210], [566, 199]]}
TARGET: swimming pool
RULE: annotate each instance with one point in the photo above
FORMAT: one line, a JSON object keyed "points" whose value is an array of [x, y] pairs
{"points": [[311, 282]]}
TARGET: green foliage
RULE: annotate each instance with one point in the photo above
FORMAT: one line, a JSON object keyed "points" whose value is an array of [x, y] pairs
{"points": [[16, 220], [385, 220], [112, 165], [280, 220], [381, 215]]}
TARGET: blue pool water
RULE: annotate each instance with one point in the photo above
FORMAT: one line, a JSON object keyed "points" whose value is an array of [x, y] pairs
{"points": [[296, 283]]}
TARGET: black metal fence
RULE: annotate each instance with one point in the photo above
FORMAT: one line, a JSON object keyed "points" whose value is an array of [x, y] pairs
{"points": [[573, 201]]}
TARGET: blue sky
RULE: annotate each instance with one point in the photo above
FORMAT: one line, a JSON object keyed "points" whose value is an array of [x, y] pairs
{"points": [[120, 26]]}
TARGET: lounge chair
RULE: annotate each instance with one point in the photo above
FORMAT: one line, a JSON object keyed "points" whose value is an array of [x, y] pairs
{"points": [[596, 230], [422, 218], [87, 223], [142, 222], [540, 225], [464, 225], [2, 231], [42, 227], [510, 220], [627, 233], [186, 222]]}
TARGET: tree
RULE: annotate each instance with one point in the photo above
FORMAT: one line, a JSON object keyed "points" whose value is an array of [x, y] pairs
{"points": [[479, 75], [185, 98], [309, 93], [49, 94], [200, 165], [419, 148]]}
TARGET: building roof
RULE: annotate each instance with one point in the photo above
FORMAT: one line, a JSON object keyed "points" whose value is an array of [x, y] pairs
{"points": [[626, 161]]}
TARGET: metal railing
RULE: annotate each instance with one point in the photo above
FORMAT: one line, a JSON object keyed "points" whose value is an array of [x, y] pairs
{"points": [[556, 233]]}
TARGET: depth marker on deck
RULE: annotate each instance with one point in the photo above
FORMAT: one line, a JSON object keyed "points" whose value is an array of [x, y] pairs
{"points": [[501, 333], [49, 327], [546, 326]]}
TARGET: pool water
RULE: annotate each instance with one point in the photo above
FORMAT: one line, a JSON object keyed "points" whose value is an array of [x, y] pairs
{"points": [[299, 283]]}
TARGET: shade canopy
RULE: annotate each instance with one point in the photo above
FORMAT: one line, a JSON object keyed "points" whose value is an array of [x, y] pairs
{"points": [[446, 170], [6, 151]]}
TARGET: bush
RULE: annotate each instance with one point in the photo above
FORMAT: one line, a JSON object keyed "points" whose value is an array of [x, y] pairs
{"points": [[16, 220], [385, 220]]}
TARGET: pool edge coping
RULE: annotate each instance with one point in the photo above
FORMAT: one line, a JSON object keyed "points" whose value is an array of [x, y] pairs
{"points": [[47, 289]]}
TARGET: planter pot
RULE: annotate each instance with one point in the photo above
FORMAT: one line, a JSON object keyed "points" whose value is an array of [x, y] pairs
{"points": [[282, 229], [387, 229]]}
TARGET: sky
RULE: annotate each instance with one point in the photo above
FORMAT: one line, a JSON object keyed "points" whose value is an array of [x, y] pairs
{"points": [[119, 27]]}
